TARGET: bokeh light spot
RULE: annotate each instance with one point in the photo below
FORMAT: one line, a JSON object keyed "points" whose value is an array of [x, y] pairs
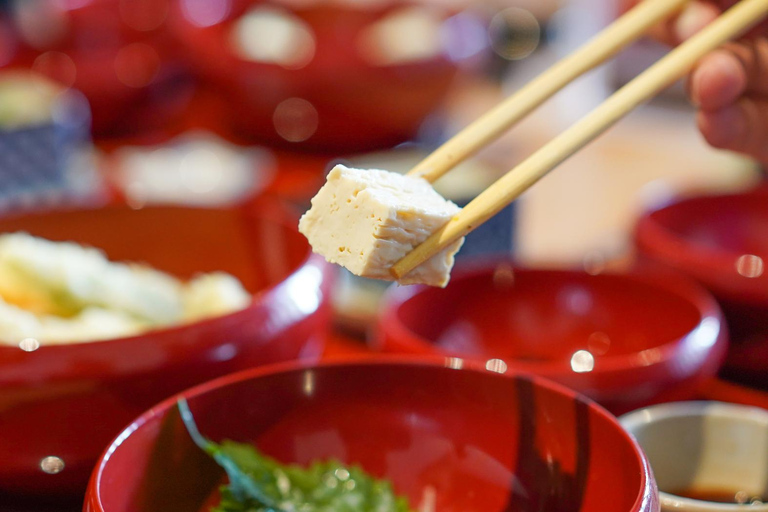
{"points": [[503, 276], [515, 33], [295, 119], [750, 265], [496, 365], [57, 66], [598, 343], [206, 13], [29, 344], [582, 361], [136, 65], [52, 465]]}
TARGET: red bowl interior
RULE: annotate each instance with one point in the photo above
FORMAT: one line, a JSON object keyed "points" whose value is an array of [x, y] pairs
{"points": [[70, 400], [358, 105], [622, 339], [477, 440]]}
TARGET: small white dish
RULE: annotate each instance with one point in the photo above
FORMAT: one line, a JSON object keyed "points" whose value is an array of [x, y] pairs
{"points": [[705, 450]]}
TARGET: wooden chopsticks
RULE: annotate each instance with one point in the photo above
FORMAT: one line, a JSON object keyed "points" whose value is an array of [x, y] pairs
{"points": [[737, 20], [597, 50]]}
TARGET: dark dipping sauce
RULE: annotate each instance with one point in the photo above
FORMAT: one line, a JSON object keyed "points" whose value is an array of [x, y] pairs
{"points": [[721, 496]]}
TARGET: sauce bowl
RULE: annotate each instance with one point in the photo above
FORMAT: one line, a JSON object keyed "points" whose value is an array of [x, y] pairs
{"points": [[705, 450]]}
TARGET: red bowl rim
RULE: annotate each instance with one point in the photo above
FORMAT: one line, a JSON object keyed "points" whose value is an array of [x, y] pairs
{"points": [[188, 34], [670, 283], [282, 216], [93, 495], [655, 238]]}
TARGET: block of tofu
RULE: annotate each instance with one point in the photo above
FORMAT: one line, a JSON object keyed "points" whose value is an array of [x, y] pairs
{"points": [[367, 219]]}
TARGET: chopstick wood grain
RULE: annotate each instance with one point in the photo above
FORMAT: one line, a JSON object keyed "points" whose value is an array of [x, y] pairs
{"points": [[491, 125], [737, 20]]}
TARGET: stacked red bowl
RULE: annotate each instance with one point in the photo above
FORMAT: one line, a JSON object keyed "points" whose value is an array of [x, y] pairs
{"points": [[722, 242], [317, 75], [118, 53], [64, 402]]}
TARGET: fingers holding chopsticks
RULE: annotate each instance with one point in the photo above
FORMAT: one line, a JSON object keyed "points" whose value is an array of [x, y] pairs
{"points": [[730, 88], [694, 17]]}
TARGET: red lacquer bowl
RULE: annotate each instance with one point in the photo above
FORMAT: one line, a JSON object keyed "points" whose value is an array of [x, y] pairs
{"points": [[624, 340], [338, 100], [470, 439], [119, 55], [68, 401], [722, 242]]}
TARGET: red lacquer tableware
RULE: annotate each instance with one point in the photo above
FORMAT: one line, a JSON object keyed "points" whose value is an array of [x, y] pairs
{"points": [[68, 401], [117, 52], [463, 439], [722, 242], [624, 340], [334, 98], [724, 391]]}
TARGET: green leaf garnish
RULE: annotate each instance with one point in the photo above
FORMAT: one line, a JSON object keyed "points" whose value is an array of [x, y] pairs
{"points": [[258, 483]]}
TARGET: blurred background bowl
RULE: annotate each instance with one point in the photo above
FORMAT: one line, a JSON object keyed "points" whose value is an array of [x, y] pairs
{"points": [[116, 52], [624, 340], [68, 401], [328, 76], [468, 440], [722, 242]]}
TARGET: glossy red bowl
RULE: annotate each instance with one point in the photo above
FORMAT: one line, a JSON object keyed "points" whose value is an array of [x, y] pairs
{"points": [[68, 401], [722, 242], [624, 340], [474, 440], [338, 100], [119, 55]]}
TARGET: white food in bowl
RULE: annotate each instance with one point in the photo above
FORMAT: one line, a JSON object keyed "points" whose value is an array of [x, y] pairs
{"points": [[59, 292]]}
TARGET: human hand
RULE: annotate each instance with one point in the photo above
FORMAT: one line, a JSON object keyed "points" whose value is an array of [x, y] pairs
{"points": [[730, 85]]}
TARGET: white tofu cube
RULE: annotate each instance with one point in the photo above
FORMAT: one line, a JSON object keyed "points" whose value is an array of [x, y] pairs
{"points": [[367, 220]]}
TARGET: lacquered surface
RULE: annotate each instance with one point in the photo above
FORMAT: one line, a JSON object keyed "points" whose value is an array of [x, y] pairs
{"points": [[473, 439], [358, 105], [706, 236], [624, 340], [722, 242], [69, 401], [120, 57]]}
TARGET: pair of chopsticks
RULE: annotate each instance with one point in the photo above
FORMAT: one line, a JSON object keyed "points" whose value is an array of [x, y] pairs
{"points": [[734, 22]]}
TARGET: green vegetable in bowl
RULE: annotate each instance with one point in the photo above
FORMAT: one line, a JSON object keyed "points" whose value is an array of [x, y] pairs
{"points": [[258, 483]]}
